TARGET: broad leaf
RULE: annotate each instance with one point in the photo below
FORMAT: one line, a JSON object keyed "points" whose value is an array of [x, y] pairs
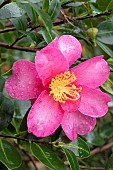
{"points": [[105, 33], [6, 111], [47, 156], [79, 147], [110, 61], [72, 159], [10, 10], [9, 155], [54, 9]]}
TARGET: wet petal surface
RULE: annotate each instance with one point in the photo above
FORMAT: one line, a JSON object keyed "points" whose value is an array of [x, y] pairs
{"points": [[92, 73], [74, 123], [24, 83], [45, 116], [93, 102], [49, 62]]}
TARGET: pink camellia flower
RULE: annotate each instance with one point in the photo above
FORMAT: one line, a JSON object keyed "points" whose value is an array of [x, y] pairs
{"points": [[70, 98]]}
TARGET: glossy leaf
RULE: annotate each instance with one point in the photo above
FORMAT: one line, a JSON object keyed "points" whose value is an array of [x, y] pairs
{"points": [[31, 12], [108, 85], [106, 49], [6, 111], [105, 33], [10, 10], [20, 23], [79, 147], [54, 9], [44, 19], [9, 155], [72, 159], [48, 35], [45, 5], [47, 156]]}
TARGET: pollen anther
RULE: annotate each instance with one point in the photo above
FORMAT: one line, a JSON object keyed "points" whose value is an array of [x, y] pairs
{"points": [[62, 87]]}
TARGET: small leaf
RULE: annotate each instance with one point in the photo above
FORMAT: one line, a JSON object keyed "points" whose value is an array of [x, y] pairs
{"points": [[47, 156], [54, 10], [108, 85], [72, 159], [105, 33], [9, 155], [79, 147], [10, 10], [106, 49], [6, 111]]}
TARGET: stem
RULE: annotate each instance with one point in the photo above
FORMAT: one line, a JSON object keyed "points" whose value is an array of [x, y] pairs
{"points": [[25, 140]]}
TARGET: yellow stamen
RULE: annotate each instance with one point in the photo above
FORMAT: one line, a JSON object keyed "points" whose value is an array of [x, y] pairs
{"points": [[62, 88]]}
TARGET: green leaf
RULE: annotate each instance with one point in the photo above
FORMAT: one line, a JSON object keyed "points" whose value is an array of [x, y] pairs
{"points": [[8, 73], [105, 32], [9, 155], [106, 49], [6, 111], [72, 159], [94, 138], [110, 61], [45, 5], [47, 156], [44, 19], [10, 10], [20, 23], [54, 10], [32, 14], [48, 35], [2, 82], [108, 85], [105, 5], [79, 147]]}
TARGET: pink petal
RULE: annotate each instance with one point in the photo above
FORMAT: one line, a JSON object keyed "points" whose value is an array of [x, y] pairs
{"points": [[45, 116], [49, 62], [70, 106], [74, 123], [24, 82], [70, 48], [92, 73], [93, 102]]}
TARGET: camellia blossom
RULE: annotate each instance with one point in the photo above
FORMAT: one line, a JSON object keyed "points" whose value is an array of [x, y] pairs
{"points": [[67, 97]]}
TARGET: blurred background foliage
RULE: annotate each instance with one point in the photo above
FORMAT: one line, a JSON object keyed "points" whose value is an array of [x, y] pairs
{"points": [[27, 26]]}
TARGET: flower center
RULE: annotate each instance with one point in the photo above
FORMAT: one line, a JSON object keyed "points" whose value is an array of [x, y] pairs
{"points": [[62, 88]]}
